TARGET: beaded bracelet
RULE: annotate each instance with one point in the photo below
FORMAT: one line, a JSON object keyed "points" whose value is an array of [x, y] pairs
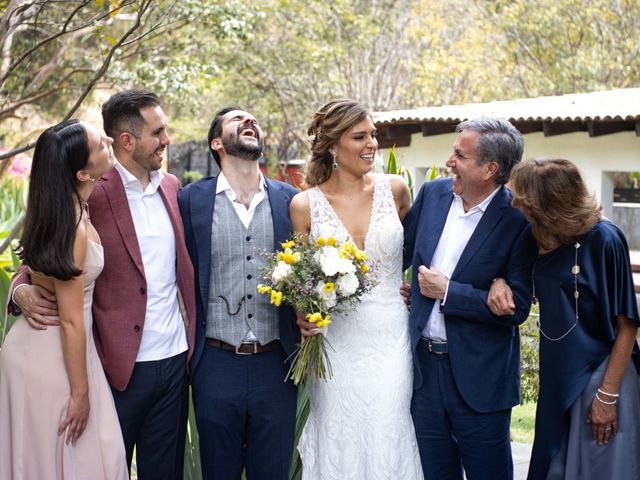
{"points": [[604, 402], [614, 395]]}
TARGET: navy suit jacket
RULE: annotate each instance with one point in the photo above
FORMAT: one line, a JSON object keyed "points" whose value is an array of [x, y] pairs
{"points": [[196, 202], [484, 349]]}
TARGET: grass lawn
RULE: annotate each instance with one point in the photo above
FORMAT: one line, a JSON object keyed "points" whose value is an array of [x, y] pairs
{"points": [[523, 421]]}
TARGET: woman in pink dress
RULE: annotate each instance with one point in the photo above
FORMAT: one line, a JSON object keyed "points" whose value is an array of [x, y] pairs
{"points": [[57, 417]]}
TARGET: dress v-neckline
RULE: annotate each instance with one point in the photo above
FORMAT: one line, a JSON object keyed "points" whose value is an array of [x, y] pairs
{"points": [[341, 223]]}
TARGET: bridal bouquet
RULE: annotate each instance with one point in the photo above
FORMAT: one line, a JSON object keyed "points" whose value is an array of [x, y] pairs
{"points": [[320, 277]]}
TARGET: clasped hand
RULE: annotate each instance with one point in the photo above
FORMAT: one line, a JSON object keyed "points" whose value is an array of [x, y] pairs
{"points": [[432, 282]]}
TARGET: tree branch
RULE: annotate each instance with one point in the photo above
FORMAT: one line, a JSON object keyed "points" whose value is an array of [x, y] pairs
{"points": [[12, 234], [144, 5]]}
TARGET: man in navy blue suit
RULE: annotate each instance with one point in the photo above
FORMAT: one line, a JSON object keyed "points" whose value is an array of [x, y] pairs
{"points": [[245, 411], [460, 234]]}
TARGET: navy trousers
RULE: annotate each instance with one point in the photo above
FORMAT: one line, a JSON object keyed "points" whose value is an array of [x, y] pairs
{"points": [[450, 434], [246, 414], [153, 417]]}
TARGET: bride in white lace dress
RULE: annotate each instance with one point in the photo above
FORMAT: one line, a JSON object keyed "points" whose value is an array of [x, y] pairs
{"points": [[359, 426]]}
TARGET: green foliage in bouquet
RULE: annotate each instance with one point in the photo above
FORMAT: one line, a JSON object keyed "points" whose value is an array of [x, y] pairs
{"points": [[318, 277]]}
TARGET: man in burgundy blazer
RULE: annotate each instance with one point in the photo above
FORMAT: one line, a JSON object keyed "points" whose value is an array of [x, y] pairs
{"points": [[151, 396]]}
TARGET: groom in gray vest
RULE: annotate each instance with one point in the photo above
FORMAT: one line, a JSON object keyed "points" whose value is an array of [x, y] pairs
{"points": [[244, 409]]}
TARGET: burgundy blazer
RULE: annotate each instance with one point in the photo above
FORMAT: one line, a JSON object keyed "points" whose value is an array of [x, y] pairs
{"points": [[120, 295]]}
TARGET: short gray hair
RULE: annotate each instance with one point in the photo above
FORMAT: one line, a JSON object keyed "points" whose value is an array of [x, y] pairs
{"points": [[499, 142]]}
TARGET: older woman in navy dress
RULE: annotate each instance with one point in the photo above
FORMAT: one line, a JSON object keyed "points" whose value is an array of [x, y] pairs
{"points": [[588, 415]]}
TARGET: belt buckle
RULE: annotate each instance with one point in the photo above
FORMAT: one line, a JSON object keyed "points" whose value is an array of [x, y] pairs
{"points": [[255, 348], [435, 342]]}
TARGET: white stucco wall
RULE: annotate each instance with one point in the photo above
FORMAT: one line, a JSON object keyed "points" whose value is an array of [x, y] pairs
{"points": [[618, 152]]}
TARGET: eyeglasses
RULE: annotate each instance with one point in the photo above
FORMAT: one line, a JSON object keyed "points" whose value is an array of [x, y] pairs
{"points": [[226, 302]]}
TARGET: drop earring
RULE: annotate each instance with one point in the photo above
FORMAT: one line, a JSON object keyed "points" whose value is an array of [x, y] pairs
{"points": [[334, 165]]}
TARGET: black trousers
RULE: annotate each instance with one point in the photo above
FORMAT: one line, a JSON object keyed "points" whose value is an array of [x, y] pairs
{"points": [[153, 417]]}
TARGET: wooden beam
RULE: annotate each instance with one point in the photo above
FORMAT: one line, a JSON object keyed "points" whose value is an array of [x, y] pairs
{"points": [[437, 128], [402, 130], [384, 142], [559, 128], [605, 128], [525, 127]]}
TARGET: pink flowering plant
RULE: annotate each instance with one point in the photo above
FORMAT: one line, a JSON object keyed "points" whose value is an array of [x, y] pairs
{"points": [[320, 277]]}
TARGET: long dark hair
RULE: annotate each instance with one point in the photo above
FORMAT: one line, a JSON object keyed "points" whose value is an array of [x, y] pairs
{"points": [[50, 223]]}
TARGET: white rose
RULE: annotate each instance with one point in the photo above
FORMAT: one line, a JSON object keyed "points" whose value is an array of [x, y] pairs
{"points": [[347, 284], [346, 266], [329, 260], [281, 271]]}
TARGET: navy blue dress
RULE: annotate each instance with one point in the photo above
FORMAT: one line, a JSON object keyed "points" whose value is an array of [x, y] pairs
{"points": [[568, 362]]}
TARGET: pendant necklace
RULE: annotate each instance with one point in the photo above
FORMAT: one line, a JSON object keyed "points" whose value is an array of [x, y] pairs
{"points": [[575, 270]]}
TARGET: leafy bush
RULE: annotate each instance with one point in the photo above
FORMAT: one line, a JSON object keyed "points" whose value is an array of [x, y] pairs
{"points": [[191, 176], [13, 201], [529, 347]]}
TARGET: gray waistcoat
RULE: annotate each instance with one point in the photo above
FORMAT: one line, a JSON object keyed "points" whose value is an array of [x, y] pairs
{"points": [[236, 265]]}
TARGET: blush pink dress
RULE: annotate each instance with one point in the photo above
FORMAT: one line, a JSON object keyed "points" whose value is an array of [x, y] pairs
{"points": [[34, 394]]}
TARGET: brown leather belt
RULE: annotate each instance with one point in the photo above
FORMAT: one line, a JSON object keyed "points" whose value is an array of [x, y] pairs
{"points": [[245, 348]]}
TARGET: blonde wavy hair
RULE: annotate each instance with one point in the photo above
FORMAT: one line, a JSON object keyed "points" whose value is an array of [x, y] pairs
{"points": [[554, 196], [329, 123]]}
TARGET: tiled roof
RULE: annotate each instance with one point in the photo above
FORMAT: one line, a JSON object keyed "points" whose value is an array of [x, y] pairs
{"points": [[611, 105]]}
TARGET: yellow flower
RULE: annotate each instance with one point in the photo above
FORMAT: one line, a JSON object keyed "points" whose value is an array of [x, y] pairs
{"points": [[314, 317], [323, 323], [287, 256], [331, 242], [320, 242], [264, 288], [359, 255], [289, 244], [276, 298], [364, 268], [328, 287], [346, 250]]}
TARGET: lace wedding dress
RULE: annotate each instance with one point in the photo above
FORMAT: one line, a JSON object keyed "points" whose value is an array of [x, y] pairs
{"points": [[360, 426]]}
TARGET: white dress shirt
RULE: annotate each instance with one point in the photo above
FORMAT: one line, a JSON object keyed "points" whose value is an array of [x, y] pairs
{"points": [[163, 335], [245, 214], [456, 234]]}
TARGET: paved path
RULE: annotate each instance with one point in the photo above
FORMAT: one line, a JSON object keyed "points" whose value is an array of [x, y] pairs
{"points": [[521, 455]]}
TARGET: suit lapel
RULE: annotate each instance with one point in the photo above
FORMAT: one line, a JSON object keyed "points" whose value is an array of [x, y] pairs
{"points": [[201, 205], [279, 213], [487, 223], [172, 208], [114, 189], [439, 212]]}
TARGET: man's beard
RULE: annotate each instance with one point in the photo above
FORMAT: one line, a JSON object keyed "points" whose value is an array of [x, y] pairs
{"points": [[236, 147], [145, 159]]}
